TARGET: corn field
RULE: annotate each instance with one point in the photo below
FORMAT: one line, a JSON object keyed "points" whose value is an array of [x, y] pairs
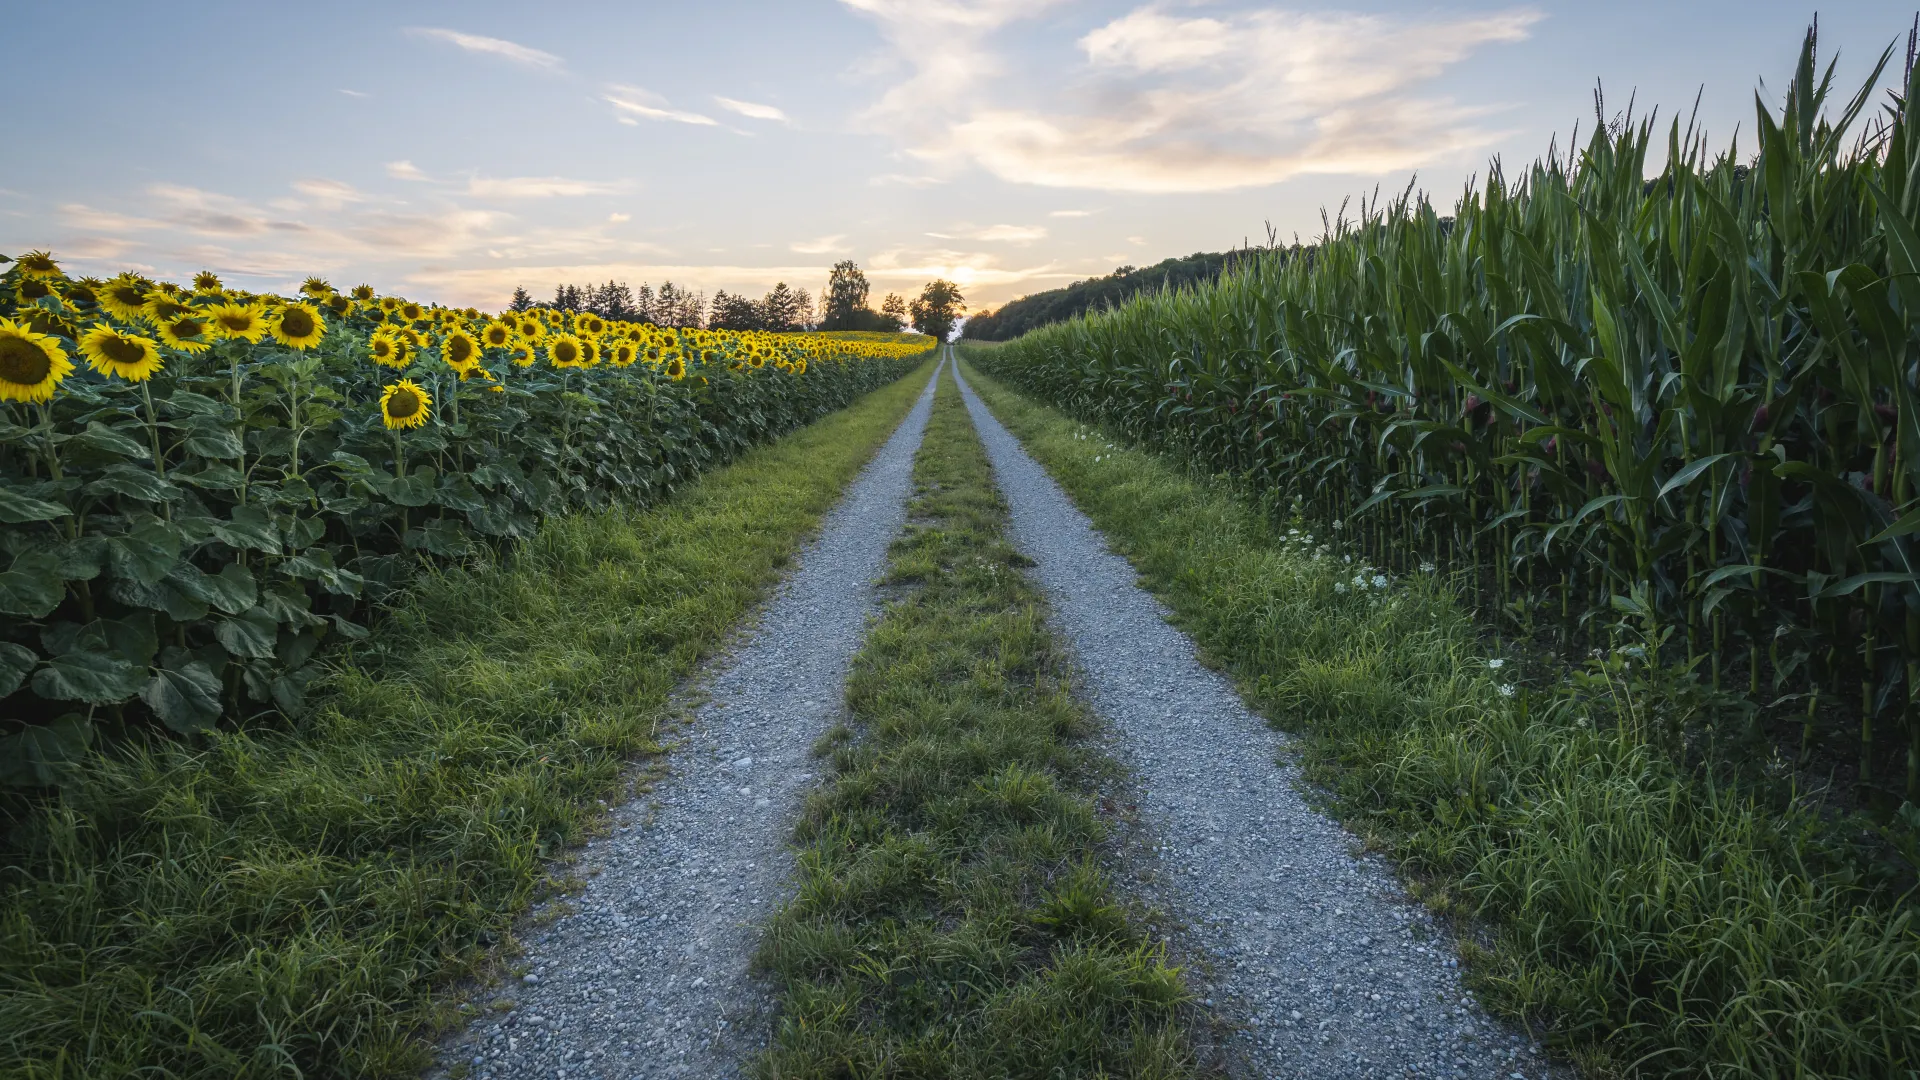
{"points": [[230, 481], [1679, 409]]}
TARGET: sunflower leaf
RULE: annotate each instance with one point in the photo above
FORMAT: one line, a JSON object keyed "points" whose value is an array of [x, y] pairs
{"points": [[134, 483], [32, 586], [93, 677], [186, 698], [99, 437], [18, 509], [45, 753], [16, 661], [249, 635]]}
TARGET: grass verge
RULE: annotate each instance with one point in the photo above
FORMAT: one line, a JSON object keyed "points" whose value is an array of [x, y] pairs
{"points": [[1652, 923], [951, 919], [285, 903]]}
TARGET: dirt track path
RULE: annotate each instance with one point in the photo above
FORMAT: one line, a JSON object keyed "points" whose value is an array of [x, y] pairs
{"points": [[1317, 955], [644, 973]]}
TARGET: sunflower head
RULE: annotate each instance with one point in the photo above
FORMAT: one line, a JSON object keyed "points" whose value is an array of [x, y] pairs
{"points": [[800, 367], [29, 289], [84, 293], [590, 352], [478, 372], [621, 354], [386, 349], [405, 404], [411, 311], [676, 369], [532, 329], [316, 286], [460, 351], [298, 326], [206, 281], [126, 296], [160, 307], [363, 293], [39, 265], [340, 305], [389, 304], [244, 322], [496, 335], [31, 364], [189, 333], [564, 351], [112, 352]]}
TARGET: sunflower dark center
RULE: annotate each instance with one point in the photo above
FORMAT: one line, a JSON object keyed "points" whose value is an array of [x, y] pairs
{"points": [[186, 329], [33, 289], [405, 403], [22, 363], [120, 351], [566, 352], [460, 350], [237, 323], [295, 322], [129, 296]]}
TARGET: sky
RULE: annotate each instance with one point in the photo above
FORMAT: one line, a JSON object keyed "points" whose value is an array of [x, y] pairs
{"points": [[451, 151]]}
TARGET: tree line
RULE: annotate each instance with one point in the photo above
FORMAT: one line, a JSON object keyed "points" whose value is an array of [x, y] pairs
{"points": [[844, 305], [1016, 317]]}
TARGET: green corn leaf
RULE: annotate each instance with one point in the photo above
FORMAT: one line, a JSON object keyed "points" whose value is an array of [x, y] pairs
{"points": [[1686, 476]]}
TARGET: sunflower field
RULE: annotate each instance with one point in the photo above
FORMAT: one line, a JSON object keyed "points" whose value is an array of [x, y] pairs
{"points": [[1672, 416], [199, 487]]}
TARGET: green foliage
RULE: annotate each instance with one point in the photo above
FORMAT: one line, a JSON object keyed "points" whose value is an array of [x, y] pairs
{"points": [[951, 921], [1650, 922], [182, 549], [937, 308], [1588, 394], [1097, 294], [279, 903]]}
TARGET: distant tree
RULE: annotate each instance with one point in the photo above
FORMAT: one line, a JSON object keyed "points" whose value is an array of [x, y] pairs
{"points": [[643, 304], [1016, 317], [843, 306], [522, 299], [784, 308], [893, 312], [569, 298], [937, 308], [614, 300], [732, 311], [805, 317]]}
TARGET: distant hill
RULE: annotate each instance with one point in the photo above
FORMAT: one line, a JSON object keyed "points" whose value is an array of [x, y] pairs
{"points": [[1016, 317]]}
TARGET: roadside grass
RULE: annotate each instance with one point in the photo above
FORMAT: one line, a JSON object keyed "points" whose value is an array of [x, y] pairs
{"points": [[1647, 922], [951, 918], [287, 902]]}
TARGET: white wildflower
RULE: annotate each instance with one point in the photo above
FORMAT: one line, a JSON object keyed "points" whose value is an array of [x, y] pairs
{"points": [[1379, 581], [1506, 689], [1336, 526], [1339, 586], [1426, 568], [1496, 664]]}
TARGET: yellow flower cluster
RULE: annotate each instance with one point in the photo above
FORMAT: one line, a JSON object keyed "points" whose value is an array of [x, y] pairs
{"points": [[125, 327]]}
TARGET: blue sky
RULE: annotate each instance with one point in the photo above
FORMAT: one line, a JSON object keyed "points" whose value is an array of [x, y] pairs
{"points": [[450, 151]]}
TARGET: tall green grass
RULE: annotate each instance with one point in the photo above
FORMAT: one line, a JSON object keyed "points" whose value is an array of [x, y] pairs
{"points": [[1648, 923], [952, 919], [286, 902], [1677, 402]]}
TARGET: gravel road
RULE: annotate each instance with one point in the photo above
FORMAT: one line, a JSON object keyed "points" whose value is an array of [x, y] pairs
{"points": [[644, 972], [1312, 954]]}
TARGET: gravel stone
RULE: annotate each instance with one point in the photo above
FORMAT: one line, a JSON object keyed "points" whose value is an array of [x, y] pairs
{"points": [[644, 972], [1320, 964]]}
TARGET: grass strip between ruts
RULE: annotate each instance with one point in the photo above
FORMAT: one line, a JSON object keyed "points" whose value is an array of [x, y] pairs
{"points": [[285, 903], [951, 920], [1660, 926]]}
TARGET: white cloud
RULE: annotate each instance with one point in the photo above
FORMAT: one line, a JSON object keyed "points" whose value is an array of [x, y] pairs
{"points": [[634, 101], [81, 216], [329, 194], [537, 187], [492, 46], [617, 218], [825, 245], [1162, 102], [751, 110], [355, 93], [405, 170], [1017, 234], [1071, 213], [904, 180]]}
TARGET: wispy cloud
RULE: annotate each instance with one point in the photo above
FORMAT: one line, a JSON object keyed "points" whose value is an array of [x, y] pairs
{"points": [[405, 170], [355, 93], [81, 216], [538, 187], [329, 194], [1071, 213], [632, 101], [523, 55], [904, 180], [1017, 234], [1162, 102], [825, 245], [752, 110]]}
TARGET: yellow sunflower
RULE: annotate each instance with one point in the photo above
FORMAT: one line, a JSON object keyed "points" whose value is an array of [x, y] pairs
{"points": [[411, 311], [386, 349], [111, 352], [341, 305], [126, 296], [206, 281], [532, 329], [243, 322], [565, 351], [590, 352], [29, 289], [460, 351], [298, 326], [621, 354], [363, 293], [799, 367], [82, 293], [189, 333], [676, 369], [521, 354], [40, 265], [31, 364], [497, 335], [316, 286], [161, 307], [405, 404]]}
